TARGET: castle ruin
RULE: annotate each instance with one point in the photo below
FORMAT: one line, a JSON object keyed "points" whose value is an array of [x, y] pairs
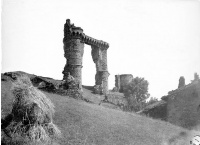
{"points": [[122, 80], [74, 40], [180, 107], [183, 105]]}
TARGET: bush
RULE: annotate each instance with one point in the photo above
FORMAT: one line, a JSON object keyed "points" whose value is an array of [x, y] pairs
{"points": [[136, 93]]}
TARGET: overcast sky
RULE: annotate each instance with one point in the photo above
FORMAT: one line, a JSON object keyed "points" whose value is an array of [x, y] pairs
{"points": [[155, 39]]}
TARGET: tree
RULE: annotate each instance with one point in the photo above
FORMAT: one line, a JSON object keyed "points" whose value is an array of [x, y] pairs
{"points": [[136, 93]]}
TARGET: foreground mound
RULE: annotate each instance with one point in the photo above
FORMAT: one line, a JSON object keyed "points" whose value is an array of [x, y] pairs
{"points": [[90, 124], [30, 121]]}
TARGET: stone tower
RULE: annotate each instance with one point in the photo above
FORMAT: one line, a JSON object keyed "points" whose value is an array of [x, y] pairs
{"points": [[74, 49], [181, 82], [74, 40], [122, 80]]}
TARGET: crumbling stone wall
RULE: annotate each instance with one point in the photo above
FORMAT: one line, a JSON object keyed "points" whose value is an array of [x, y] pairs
{"points": [[74, 40], [117, 82], [183, 105], [122, 80]]}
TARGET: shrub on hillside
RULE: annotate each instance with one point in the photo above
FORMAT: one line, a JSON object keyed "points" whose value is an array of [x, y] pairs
{"points": [[30, 121], [136, 93]]}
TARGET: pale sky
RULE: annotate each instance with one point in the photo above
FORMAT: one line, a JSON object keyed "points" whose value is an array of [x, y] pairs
{"points": [[155, 39]]}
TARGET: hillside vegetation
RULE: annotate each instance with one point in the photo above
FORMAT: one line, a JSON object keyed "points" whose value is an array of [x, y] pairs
{"points": [[83, 123]]}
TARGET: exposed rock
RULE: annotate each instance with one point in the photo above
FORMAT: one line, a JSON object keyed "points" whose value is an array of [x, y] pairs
{"points": [[14, 75], [70, 88], [44, 84]]}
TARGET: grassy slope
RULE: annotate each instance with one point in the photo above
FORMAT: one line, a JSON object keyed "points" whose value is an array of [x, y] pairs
{"points": [[87, 94], [85, 123]]}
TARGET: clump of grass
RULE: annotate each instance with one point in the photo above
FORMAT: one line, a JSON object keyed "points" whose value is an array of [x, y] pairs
{"points": [[30, 121]]}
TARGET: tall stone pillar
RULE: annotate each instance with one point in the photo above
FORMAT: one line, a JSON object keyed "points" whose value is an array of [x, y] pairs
{"points": [[99, 56], [74, 49], [104, 59], [104, 74]]}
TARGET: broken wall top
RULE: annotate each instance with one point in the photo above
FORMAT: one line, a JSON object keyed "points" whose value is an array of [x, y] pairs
{"points": [[181, 89], [71, 32]]}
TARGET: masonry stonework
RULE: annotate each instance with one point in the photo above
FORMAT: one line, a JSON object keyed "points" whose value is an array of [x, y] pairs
{"points": [[117, 82], [73, 53], [122, 80], [74, 40]]}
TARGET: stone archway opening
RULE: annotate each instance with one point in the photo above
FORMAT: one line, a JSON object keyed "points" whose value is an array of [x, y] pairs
{"points": [[88, 69], [74, 40]]}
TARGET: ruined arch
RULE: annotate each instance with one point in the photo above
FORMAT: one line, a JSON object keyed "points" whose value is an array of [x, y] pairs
{"points": [[74, 40]]}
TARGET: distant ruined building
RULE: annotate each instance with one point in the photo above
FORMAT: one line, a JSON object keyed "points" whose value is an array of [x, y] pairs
{"points": [[181, 82], [74, 40], [122, 80], [183, 105], [180, 107]]}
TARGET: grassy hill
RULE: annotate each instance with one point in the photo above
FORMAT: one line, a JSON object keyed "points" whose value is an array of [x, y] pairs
{"points": [[83, 123]]}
